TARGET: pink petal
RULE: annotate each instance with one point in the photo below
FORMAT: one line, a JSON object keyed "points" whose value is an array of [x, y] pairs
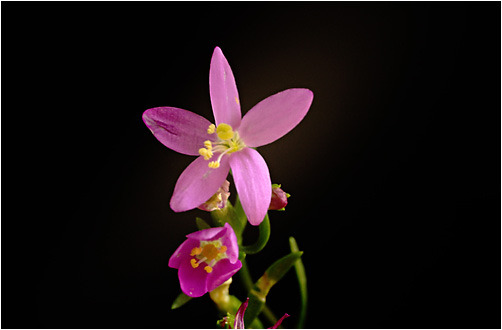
{"points": [[230, 241], [209, 234], [182, 252], [278, 323], [197, 184], [222, 271], [223, 91], [252, 181], [239, 316], [180, 130], [193, 281], [275, 116]]}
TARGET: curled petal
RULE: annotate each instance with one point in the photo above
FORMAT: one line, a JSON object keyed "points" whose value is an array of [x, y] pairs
{"points": [[193, 281], [197, 184], [275, 116], [223, 91], [180, 130], [210, 234], [239, 316], [230, 241], [252, 181], [278, 323]]}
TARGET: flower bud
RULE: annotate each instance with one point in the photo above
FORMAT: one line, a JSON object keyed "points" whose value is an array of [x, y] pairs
{"points": [[218, 200], [279, 198]]}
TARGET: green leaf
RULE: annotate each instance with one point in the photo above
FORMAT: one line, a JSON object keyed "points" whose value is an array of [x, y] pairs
{"points": [[201, 224], [302, 282], [180, 301], [259, 292]]}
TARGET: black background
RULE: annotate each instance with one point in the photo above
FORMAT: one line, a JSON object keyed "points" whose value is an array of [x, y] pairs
{"points": [[394, 173]]}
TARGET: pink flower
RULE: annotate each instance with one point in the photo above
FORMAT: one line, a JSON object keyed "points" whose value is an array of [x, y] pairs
{"points": [[229, 142], [239, 317], [206, 260]]}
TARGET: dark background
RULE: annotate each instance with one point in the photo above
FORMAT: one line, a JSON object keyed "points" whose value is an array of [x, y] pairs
{"points": [[394, 173]]}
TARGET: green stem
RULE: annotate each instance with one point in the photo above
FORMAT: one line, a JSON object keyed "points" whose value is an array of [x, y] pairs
{"points": [[302, 282], [263, 237], [247, 280], [245, 276]]}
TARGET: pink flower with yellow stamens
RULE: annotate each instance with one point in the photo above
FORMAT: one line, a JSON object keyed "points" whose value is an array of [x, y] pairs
{"points": [[206, 260], [229, 142]]}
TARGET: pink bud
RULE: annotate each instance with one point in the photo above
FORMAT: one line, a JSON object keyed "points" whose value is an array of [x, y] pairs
{"points": [[218, 200], [279, 198]]}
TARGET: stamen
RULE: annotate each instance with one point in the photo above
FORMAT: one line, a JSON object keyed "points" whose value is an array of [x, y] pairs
{"points": [[206, 153], [211, 129], [208, 144], [208, 269], [213, 164], [196, 251], [194, 263], [222, 249]]}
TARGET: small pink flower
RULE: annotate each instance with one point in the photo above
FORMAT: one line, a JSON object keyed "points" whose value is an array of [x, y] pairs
{"points": [[206, 260], [227, 144]]}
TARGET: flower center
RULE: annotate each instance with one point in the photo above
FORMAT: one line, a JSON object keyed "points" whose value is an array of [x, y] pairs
{"points": [[227, 142], [209, 252]]}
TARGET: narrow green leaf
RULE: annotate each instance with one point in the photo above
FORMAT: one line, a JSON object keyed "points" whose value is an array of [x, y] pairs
{"points": [[259, 292], [302, 282], [279, 268], [201, 224], [180, 301]]}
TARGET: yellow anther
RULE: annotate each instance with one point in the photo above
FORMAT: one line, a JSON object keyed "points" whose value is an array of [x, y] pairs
{"points": [[208, 144], [222, 249], [225, 131], [236, 100], [196, 251], [194, 263], [211, 129], [208, 269], [215, 164], [206, 153]]}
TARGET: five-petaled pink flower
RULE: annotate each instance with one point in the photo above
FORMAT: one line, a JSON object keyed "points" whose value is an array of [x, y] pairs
{"points": [[206, 260], [227, 144]]}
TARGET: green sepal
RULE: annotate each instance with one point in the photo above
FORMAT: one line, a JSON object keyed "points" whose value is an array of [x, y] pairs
{"points": [[226, 322], [180, 300], [201, 224], [259, 292], [228, 214]]}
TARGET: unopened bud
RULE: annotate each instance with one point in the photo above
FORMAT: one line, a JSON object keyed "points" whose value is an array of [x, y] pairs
{"points": [[218, 200], [279, 198]]}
